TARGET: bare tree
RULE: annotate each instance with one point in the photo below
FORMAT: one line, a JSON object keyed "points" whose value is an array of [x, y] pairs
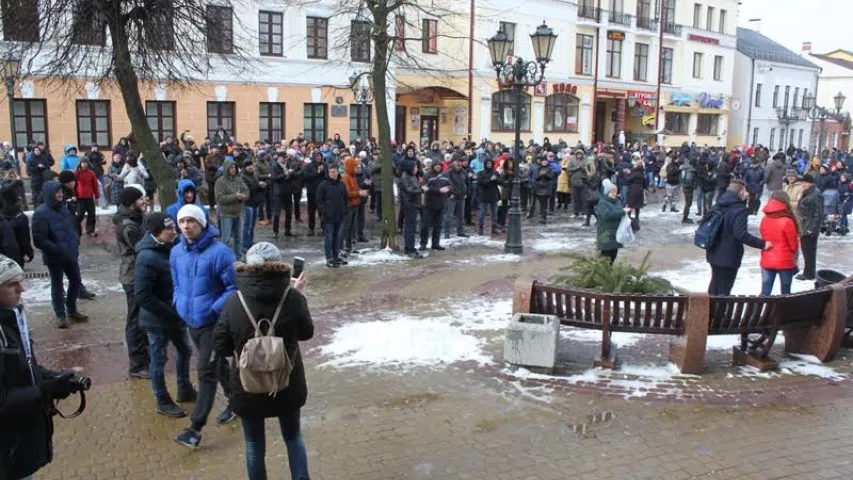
{"points": [[129, 42]]}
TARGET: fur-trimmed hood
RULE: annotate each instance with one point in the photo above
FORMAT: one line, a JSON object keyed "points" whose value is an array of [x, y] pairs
{"points": [[265, 282]]}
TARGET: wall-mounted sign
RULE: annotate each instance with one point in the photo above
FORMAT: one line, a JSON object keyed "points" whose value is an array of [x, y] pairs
{"points": [[339, 110], [416, 117], [615, 35], [541, 90], [564, 88], [708, 101], [703, 39], [649, 120], [681, 99]]}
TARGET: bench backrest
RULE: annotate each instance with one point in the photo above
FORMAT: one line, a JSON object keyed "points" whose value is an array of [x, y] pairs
{"points": [[747, 314]]}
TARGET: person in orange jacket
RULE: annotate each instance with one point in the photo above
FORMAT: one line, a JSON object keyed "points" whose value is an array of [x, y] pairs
{"points": [[354, 199]]}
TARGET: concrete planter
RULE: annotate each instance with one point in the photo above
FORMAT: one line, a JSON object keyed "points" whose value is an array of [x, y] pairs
{"points": [[532, 340]]}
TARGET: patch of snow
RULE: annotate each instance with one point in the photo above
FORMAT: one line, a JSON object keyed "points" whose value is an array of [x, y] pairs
{"points": [[473, 241], [496, 258], [695, 275], [555, 241], [375, 257], [37, 291], [684, 231], [805, 365], [621, 339]]}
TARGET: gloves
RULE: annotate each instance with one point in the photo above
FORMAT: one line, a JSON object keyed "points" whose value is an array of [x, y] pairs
{"points": [[58, 387]]}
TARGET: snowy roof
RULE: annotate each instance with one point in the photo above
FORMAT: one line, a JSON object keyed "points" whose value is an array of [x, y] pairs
{"points": [[836, 61], [757, 46]]}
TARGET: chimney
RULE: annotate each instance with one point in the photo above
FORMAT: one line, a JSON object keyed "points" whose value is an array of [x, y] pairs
{"points": [[807, 48]]}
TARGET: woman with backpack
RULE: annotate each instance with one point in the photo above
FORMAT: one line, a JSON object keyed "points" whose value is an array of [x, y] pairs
{"points": [[265, 293]]}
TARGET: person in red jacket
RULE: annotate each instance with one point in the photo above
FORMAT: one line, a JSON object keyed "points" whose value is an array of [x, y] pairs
{"points": [[780, 227], [87, 194]]}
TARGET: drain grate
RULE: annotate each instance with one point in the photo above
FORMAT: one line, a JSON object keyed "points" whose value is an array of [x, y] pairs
{"points": [[35, 275]]}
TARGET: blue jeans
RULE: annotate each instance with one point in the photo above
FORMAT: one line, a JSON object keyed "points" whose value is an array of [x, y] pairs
{"points": [[63, 304], [256, 446], [623, 195], [650, 178], [250, 216], [493, 210], [159, 342], [768, 278], [453, 208], [331, 234], [230, 228]]}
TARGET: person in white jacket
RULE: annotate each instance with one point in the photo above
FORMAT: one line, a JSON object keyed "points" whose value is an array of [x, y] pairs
{"points": [[134, 172]]}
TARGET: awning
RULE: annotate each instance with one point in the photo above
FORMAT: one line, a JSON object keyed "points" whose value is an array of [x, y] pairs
{"points": [[435, 92]]}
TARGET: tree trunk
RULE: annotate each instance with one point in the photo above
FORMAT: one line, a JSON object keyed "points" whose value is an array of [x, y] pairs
{"points": [[380, 70], [128, 83]]}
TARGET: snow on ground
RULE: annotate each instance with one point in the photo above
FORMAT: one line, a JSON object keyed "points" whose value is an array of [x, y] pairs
{"points": [[374, 257], [805, 365], [472, 240], [497, 258], [37, 291], [620, 339], [555, 241]]}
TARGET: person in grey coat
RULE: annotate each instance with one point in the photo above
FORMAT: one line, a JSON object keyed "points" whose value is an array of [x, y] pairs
{"points": [[774, 174]]}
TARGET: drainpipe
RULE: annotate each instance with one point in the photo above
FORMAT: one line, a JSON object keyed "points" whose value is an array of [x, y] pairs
{"points": [[595, 77], [751, 103], [659, 105], [471, 73]]}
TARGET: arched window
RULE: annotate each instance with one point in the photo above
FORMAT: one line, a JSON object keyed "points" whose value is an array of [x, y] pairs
{"points": [[503, 111], [561, 113]]}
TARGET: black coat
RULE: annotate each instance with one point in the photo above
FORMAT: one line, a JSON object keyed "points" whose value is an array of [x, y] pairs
{"points": [[489, 188], [262, 288], [727, 251], [810, 209], [256, 193], [152, 286], [543, 181], [26, 443], [636, 188], [20, 224], [311, 177], [332, 200], [40, 175], [434, 199]]}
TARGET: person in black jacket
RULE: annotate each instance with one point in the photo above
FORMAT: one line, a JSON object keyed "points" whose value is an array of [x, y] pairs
{"points": [[726, 253], [293, 178], [12, 218], [636, 183], [439, 187], [487, 182], [332, 203], [706, 182], [313, 174], [456, 201], [250, 208], [264, 283], [40, 165], [27, 389], [542, 187], [152, 286], [410, 199], [810, 211]]}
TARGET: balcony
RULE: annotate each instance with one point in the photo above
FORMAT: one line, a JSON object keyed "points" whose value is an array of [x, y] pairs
{"points": [[589, 12], [790, 115], [646, 23], [672, 28], [620, 18]]}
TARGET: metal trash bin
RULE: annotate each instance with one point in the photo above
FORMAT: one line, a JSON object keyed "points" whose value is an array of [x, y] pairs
{"points": [[828, 277]]}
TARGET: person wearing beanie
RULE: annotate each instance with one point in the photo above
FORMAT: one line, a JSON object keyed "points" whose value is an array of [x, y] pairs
{"points": [[202, 278], [231, 195], [609, 213], [129, 230], [56, 236], [264, 283], [810, 213], [15, 233], [158, 318]]}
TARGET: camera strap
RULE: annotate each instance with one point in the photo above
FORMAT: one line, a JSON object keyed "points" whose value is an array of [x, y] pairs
{"points": [[24, 329]]}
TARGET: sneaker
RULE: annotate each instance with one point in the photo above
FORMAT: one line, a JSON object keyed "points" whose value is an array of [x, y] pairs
{"points": [[189, 438], [310, 233], [663, 208], [332, 264], [187, 395], [61, 322], [415, 255], [439, 248], [340, 261], [480, 231], [226, 416], [687, 221], [362, 240], [673, 210], [86, 295], [168, 408], [78, 317], [288, 234], [447, 236], [140, 373]]}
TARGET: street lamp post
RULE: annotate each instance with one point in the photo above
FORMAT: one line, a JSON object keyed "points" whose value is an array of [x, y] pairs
{"points": [[362, 88], [821, 114], [519, 75], [10, 71]]}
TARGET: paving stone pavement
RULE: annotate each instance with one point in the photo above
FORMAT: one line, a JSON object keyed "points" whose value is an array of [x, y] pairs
{"points": [[457, 421]]}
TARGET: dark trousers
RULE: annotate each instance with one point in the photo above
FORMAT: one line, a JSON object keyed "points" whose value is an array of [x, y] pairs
{"points": [[410, 219], [552, 200], [503, 207], [36, 194], [296, 193], [688, 202], [708, 202], [472, 203], [61, 302], [611, 254], [543, 208], [210, 368], [348, 229], [525, 197], [722, 280], [137, 339], [211, 196], [279, 202], [809, 246], [331, 239], [360, 219], [578, 200], [86, 209], [454, 208], [432, 220], [312, 210], [378, 207], [265, 207], [753, 203]]}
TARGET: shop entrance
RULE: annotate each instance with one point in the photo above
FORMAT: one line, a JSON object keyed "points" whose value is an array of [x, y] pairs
{"points": [[429, 130]]}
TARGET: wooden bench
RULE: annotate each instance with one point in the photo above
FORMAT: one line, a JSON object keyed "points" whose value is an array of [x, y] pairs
{"points": [[813, 322]]}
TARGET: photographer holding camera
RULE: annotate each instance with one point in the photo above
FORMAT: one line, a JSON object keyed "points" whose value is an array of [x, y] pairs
{"points": [[27, 390]]}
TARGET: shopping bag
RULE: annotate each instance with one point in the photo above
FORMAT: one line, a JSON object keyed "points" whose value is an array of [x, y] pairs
{"points": [[624, 233]]}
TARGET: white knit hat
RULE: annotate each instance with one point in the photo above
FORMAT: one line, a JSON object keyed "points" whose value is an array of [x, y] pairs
{"points": [[9, 269], [261, 253], [607, 186], [193, 211]]}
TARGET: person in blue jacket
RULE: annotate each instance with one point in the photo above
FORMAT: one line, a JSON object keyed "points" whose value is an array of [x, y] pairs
{"points": [[187, 194], [202, 278], [70, 160], [55, 234]]}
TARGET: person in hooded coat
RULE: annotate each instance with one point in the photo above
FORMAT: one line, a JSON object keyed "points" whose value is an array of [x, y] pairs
{"points": [[313, 174], [187, 194], [70, 160], [779, 226], [410, 197], [354, 199], [231, 195], [41, 163], [488, 181], [87, 192], [12, 217]]}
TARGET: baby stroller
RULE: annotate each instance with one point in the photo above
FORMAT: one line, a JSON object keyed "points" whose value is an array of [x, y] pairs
{"points": [[832, 213]]}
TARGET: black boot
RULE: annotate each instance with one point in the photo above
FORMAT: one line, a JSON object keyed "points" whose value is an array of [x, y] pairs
{"points": [[167, 407], [187, 395]]}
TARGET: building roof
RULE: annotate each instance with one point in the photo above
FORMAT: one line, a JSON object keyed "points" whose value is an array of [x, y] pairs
{"points": [[757, 46], [835, 61]]}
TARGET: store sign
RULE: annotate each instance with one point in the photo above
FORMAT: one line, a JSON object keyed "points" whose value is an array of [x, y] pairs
{"points": [[708, 101], [703, 39], [681, 99], [649, 120], [614, 35], [564, 88]]}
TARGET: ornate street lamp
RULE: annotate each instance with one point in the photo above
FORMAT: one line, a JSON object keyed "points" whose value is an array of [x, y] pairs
{"points": [[518, 76], [821, 114], [10, 73], [361, 84], [839, 101]]}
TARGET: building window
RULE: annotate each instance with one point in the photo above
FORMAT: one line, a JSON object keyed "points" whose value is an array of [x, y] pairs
{"points": [[314, 122], [800, 142], [781, 138], [757, 94], [429, 36], [722, 21], [796, 98], [805, 94], [697, 65], [614, 58], [707, 124], [641, 62], [93, 124], [360, 41], [709, 21], [776, 96], [509, 30], [271, 118], [220, 29], [400, 33], [677, 122], [755, 136], [270, 33], [718, 67], [503, 112], [19, 16], [30, 121], [583, 55], [561, 113], [88, 26], [160, 30], [644, 13], [787, 95], [161, 119], [697, 15], [220, 115], [668, 12], [666, 68], [317, 37], [772, 145], [359, 122]]}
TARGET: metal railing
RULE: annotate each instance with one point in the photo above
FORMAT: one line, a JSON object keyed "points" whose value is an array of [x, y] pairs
{"points": [[672, 28], [589, 12], [647, 23], [621, 18]]}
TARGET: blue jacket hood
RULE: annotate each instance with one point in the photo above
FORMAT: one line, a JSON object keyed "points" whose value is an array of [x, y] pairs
{"points": [[183, 186], [70, 147], [49, 194]]}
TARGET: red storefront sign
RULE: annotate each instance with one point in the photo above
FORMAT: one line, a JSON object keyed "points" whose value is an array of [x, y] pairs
{"points": [[702, 39], [565, 88], [640, 95]]}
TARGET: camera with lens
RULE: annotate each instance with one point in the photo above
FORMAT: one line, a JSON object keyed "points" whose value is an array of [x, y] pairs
{"points": [[77, 385], [80, 384]]}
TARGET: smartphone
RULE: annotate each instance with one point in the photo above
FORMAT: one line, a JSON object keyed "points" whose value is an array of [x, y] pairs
{"points": [[298, 266]]}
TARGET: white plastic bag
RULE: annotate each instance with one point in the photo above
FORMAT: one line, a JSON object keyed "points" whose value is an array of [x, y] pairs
{"points": [[624, 233]]}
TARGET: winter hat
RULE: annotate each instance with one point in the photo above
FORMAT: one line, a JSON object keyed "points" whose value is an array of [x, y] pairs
{"points": [[193, 211], [9, 269], [261, 253], [157, 222], [791, 173], [130, 195], [608, 186], [66, 176], [9, 195], [808, 178]]}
